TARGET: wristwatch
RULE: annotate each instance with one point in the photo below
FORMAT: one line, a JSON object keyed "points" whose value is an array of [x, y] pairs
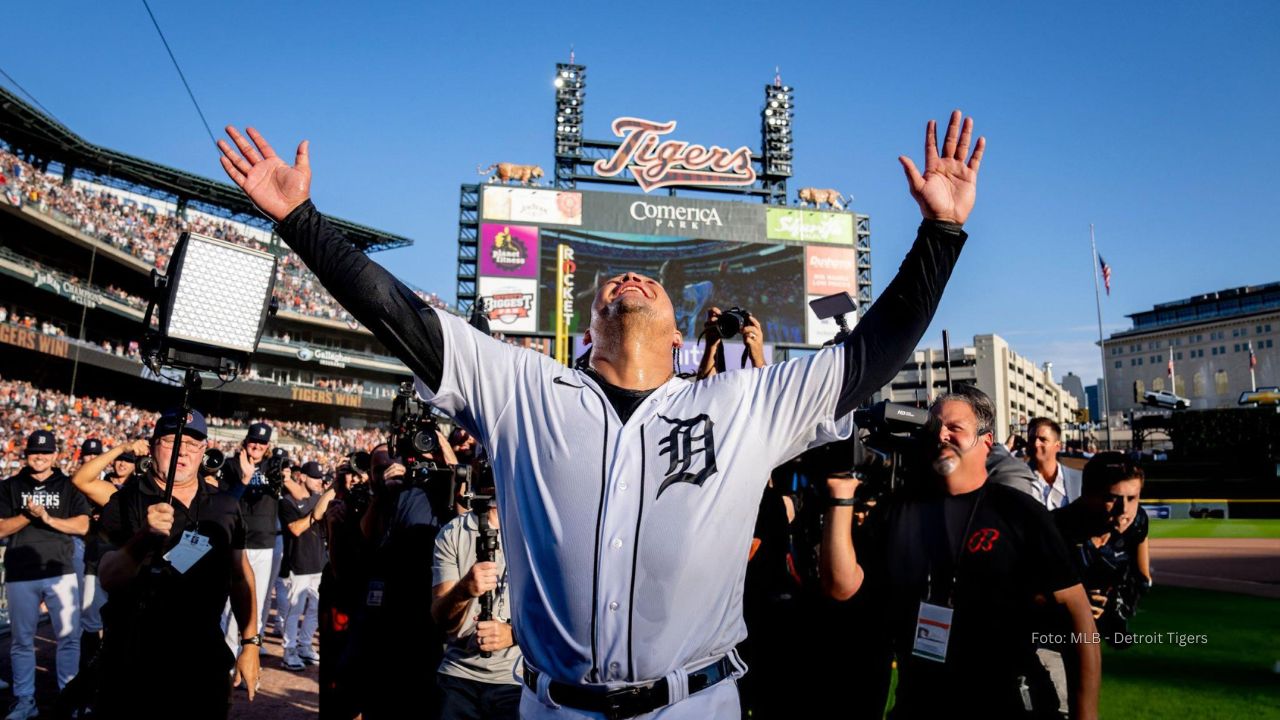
{"points": [[255, 640]]}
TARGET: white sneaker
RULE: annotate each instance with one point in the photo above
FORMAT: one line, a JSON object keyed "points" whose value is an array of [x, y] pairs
{"points": [[22, 708], [309, 656]]}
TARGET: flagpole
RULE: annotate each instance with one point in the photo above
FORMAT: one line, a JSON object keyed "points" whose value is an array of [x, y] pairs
{"points": [[1173, 378], [1253, 376], [1102, 351]]}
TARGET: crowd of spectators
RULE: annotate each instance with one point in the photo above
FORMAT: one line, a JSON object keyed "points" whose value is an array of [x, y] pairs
{"points": [[25, 408], [149, 233]]}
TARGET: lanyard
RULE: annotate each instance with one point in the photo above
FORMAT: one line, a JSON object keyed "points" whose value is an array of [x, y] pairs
{"points": [[959, 553]]}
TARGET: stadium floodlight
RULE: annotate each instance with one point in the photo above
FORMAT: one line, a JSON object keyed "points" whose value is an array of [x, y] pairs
{"points": [[213, 305]]}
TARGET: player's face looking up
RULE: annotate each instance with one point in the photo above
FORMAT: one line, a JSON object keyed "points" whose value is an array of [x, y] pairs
{"points": [[633, 312]]}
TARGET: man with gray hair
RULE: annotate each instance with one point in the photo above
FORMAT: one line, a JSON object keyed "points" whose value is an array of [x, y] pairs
{"points": [[960, 563]]}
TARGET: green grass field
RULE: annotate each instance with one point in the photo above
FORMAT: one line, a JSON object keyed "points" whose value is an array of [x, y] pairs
{"points": [[1206, 528], [1230, 675]]}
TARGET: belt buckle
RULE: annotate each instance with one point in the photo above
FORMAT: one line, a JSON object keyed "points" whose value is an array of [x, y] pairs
{"points": [[626, 702]]}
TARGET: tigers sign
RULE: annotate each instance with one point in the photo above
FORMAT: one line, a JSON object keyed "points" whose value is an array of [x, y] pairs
{"points": [[657, 163]]}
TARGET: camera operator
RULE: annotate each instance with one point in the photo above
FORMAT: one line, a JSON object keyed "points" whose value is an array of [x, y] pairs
{"points": [[303, 562], [713, 354], [40, 511], [176, 566], [979, 551], [343, 585], [1106, 530], [400, 643], [476, 677]]}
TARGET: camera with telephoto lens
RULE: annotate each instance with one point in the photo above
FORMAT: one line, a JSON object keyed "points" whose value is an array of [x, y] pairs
{"points": [[273, 468], [731, 321], [212, 462], [357, 498]]}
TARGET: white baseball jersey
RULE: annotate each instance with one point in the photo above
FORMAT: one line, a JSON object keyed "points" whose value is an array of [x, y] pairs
{"points": [[627, 542]]}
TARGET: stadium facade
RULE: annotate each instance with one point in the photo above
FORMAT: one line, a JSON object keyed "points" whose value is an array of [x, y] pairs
{"points": [[1210, 337], [81, 229]]}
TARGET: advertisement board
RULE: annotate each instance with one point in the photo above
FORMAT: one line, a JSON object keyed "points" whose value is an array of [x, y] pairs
{"points": [[510, 304], [508, 251], [527, 205], [810, 226]]}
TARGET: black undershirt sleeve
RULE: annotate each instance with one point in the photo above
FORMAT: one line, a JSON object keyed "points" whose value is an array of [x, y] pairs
{"points": [[392, 312], [887, 335]]}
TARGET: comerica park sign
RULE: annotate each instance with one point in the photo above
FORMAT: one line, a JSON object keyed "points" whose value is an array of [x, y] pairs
{"points": [[657, 163]]}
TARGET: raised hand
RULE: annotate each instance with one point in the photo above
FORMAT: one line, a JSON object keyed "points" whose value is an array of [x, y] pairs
{"points": [[272, 185], [949, 186]]}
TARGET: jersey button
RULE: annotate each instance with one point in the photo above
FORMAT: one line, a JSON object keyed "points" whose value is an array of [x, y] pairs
{"points": [[622, 485], [613, 607], [617, 543], [615, 670]]}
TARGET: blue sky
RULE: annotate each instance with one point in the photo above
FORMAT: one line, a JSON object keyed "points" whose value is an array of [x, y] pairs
{"points": [[1154, 121]]}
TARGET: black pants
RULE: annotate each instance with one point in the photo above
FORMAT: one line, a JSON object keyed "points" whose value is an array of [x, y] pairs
{"points": [[463, 699]]}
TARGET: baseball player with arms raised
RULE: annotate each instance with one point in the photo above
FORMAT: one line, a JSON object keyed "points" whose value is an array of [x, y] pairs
{"points": [[627, 494]]}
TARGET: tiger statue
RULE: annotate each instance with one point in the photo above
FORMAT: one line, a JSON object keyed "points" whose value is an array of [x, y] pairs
{"points": [[510, 171], [819, 196]]}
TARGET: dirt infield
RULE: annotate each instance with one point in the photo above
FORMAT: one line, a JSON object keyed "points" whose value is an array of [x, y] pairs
{"points": [[283, 695], [1241, 565]]}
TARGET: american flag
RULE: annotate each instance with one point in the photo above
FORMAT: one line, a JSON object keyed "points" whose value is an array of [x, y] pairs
{"points": [[1170, 371], [1253, 359], [1106, 274]]}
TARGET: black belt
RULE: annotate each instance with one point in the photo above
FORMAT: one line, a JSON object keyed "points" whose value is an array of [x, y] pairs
{"points": [[628, 701]]}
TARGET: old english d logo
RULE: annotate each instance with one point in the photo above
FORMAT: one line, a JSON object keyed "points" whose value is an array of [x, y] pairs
{"points": [[692, 449]]}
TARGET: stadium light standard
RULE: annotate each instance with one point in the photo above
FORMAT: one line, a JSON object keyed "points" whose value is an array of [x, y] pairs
{"points": [[212, 306]]}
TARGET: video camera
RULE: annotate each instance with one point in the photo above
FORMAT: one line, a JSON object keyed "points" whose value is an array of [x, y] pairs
{"points": [[212, 462], [415, 437], [890, 446]]}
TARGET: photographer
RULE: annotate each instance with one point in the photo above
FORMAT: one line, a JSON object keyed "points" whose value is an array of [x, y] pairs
{"points": [[303, 562], [475, 677], [626, 493], [176, 566], [1106, 530], [343, 588], [713, 360], [980, 551], [40, 511], [400, 644]]}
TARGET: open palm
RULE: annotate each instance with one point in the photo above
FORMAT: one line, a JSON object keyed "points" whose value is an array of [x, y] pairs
{"points": [[949, 186], [272, 185]]}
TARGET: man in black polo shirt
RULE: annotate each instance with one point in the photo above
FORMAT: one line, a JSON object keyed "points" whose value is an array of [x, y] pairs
{"points": [[41, 511], [242, 476], [304, 560], [960, 564], [177, 565]]}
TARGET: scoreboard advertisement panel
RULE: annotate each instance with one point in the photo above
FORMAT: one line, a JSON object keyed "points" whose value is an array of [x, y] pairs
{"points": [[543, 253]]}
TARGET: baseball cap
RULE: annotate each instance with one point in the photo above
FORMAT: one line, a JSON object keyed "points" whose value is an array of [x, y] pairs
{"points": [[168, 424], [259, 432], [41, 442], [90, 447], [312, 469]]}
